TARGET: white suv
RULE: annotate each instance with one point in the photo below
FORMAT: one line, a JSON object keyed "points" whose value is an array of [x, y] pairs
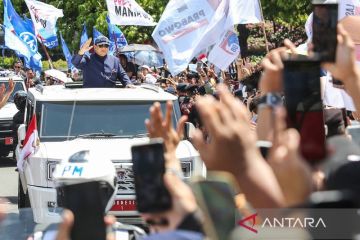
{"points": [[6, 116], [73, 119]]}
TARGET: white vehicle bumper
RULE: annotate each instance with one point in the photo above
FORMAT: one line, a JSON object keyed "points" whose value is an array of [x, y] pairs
{"points": [[43, 202]]}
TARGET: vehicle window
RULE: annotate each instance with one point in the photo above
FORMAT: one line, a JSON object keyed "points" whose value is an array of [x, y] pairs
{"points": [[18, 86], [72, 119]]}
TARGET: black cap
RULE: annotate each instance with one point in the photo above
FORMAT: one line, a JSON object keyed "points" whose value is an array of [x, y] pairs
{"points": [[181, 87]]}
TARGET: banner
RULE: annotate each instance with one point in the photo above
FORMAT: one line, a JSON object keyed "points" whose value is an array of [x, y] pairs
{"points": [[66, 52], [116, 37], [96, 34], [44, 17], [128, 12], [349, 8], [187, 27], [84, 36]]}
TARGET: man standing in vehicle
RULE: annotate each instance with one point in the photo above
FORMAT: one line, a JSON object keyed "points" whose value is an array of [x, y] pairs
{"points": [[100, 70]]}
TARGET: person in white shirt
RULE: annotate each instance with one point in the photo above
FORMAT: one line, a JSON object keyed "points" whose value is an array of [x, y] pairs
{"points": [[147, 76]]}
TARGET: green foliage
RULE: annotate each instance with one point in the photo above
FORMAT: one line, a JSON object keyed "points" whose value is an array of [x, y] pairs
{"points": [[60, 65], [285, 12], [7, 62]]}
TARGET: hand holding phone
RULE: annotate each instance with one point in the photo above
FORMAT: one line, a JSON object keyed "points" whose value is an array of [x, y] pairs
{"points": [[304, 106], [325, 18], [149, 168]]}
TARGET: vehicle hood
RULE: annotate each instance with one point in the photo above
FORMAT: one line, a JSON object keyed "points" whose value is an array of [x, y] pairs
{"points": [[114, 149], [8, 111]]}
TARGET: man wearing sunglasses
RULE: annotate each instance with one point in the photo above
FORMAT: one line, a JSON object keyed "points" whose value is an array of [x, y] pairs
{"points": [[100, 70]]}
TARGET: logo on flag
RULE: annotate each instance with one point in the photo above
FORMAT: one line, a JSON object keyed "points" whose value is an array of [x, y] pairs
{"points": [[230, 43]]}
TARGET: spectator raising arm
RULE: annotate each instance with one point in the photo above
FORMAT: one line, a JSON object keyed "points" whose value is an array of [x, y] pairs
{"points": [[232, 148], [5, 94]]}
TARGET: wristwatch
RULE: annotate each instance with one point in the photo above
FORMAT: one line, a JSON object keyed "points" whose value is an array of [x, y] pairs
{"points": [[270, 100]]}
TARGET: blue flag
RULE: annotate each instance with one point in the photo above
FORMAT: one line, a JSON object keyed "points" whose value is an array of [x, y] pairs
{"points": [[116, 37], [84, 36], [66, 52], [96, 33], [22, 28]]}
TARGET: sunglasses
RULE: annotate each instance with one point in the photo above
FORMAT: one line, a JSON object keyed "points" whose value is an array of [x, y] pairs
{"points": [[103, 46], [17, 67]]}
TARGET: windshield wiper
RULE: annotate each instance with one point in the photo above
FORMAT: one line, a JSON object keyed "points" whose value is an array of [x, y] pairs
{"points": [[139, 135], [94, 135]]}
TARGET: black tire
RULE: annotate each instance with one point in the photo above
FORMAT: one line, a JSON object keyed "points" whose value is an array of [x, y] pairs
{"points": [[23, 199]]}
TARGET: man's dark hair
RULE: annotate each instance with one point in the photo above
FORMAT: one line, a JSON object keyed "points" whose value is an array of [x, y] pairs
{"points": [[254, 104]]}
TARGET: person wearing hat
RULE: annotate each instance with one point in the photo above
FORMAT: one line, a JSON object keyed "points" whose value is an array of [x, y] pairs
{"points": [[100, 70], [147, 77]]}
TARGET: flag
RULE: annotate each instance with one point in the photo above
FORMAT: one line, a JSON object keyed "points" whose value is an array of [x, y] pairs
{"points": [[66, 52], [116, 37], [84, 36], [226, 51], [44, 17], [21, 28], [30, 143], [96, 33], [128, 12], [202, 23], [348, 8], [13, 42]]}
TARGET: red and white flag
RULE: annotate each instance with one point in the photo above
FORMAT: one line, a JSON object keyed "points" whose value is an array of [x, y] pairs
{"points": [[30, 143]]}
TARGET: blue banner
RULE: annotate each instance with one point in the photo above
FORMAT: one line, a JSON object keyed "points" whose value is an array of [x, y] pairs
{"points": [[66, 52], [96, 33], [116, 37], [84, 36]]}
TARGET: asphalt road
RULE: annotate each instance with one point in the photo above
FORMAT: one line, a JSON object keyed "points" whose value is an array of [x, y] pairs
{"points": [[8, 182]]}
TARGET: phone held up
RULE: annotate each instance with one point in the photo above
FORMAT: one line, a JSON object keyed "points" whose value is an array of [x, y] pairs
{"points": [[325, 19], [304, 106], [149, 169]]}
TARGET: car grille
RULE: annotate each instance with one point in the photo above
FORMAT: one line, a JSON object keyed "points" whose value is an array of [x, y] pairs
{"points": [[125, 176]]}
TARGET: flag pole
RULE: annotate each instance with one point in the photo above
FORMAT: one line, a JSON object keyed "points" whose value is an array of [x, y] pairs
{"points": [[46, 53], [263, 27], [115, 41]]}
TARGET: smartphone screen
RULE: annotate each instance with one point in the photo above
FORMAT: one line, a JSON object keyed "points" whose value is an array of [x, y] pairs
{"points": [[149, 168], [217, 201], [86, 203], [325, 31], [304, 106]]}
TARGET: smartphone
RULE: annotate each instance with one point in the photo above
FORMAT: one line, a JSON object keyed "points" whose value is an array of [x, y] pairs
{"points": [[149, 167], [304, 106], [215, 196], [86, 203], [325, 19]]}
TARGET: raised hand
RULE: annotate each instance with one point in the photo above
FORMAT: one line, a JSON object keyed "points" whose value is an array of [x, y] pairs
{"points": [[86, 47]]}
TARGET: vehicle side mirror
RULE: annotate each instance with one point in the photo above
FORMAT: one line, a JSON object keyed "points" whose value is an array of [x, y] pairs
{"points": [[21, 133], [189, 131]]}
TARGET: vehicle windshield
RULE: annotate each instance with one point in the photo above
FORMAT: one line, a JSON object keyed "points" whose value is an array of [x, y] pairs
{"points": [[72, 119], [18, 87]]}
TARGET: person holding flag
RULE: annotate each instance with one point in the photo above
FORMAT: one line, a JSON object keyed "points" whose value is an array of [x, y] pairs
{"points": [[101, 69]]}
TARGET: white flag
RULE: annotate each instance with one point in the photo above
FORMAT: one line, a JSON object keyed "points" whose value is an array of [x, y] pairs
{"points": [[245, 11], [225, 52], [128, 12], [44, 17], [186, 27], [349, 8]]}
